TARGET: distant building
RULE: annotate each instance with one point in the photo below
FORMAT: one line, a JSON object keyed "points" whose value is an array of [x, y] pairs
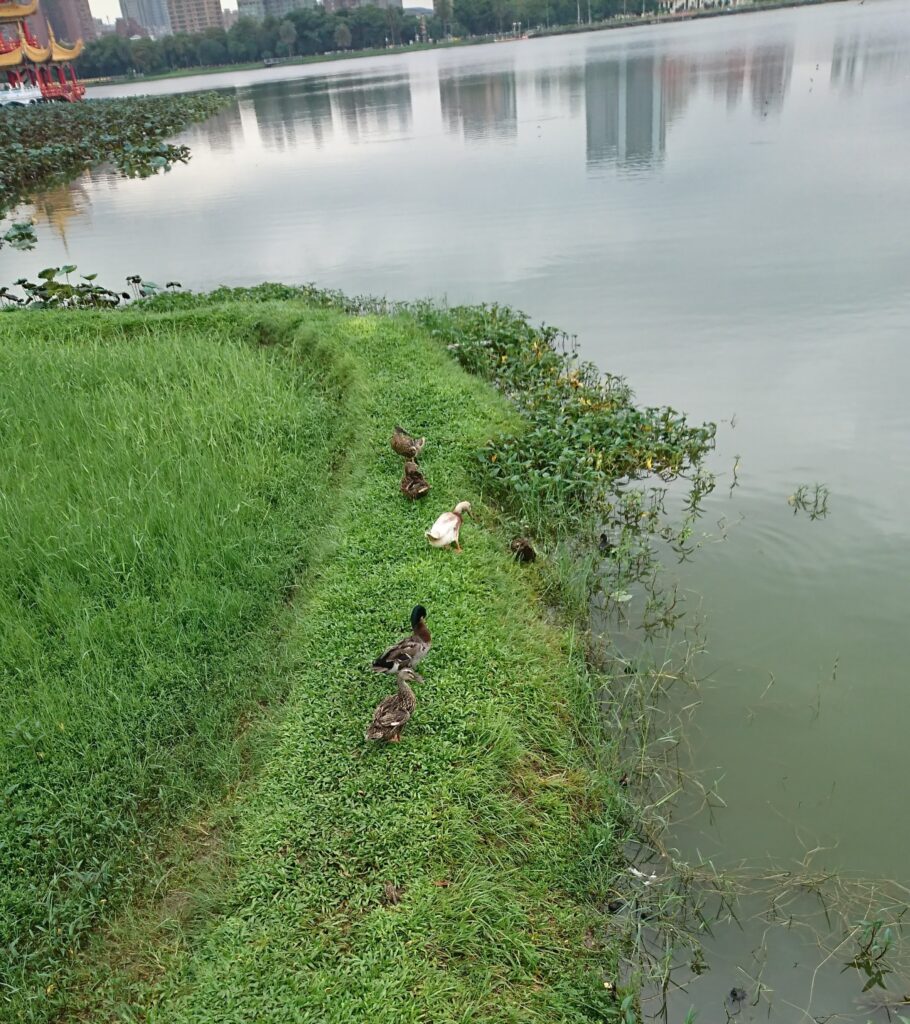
{"points": [[129, 28], [70, 19], [281, 8], [259, 9], [152, 15], [102, 28], [228, 18], [254, 9], [347, 5], [194, 15]]}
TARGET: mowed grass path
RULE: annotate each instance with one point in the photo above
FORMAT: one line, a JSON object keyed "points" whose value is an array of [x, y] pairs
{"points": [[486, 819]]}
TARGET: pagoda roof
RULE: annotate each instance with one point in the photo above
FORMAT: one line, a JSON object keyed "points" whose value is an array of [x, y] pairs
{"points": [[15, 12], [39, 54], [12, 55]]}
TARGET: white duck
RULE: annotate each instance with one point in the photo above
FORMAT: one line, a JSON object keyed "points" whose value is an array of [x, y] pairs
{"points": [[445, 530]]}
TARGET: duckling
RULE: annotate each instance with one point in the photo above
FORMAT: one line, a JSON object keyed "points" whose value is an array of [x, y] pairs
{"points": [[392, 714], [408, 652], [413, 483], [522, 550], [406, 446], [446, 528]]}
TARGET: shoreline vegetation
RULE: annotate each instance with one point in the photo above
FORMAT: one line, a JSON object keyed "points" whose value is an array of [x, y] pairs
{"points": [[614, 22], [188, 615]]}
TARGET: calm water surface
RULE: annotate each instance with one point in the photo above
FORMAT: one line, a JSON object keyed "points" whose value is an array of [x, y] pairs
{"points": [[721, 212]]}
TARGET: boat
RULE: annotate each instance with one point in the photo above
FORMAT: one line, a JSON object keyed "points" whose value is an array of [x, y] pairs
{"points": [[19, 95]]}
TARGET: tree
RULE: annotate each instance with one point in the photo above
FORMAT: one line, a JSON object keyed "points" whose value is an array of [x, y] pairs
{"points": [[109, 55], [243, 40], [443, 11], [211, 47], [476, 16], [369, 27], [147, 56], [342, 36], [287, 35]]}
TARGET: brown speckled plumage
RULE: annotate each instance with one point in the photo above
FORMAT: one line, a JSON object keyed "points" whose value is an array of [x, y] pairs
{"points": [[406, 446], [413, 483], [522, 550], [393, 713]]}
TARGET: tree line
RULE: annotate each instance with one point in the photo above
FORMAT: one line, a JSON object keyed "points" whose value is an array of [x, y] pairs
{"points": [[311, 31]]}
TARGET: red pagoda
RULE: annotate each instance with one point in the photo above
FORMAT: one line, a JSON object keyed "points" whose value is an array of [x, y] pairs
{"points": [[28, 70]]}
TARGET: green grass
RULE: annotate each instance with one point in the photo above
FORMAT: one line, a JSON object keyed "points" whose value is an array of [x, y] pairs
{"points": [[171, 472], [160, 489]]}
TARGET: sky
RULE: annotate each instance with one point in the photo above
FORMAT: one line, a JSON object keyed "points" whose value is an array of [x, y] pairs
{"points": [[109, 10]]}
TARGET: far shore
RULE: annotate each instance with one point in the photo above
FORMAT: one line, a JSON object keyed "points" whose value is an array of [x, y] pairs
{"points": [[629, 21]]}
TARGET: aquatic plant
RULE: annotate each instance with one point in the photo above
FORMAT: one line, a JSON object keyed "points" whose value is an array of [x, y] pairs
{"points": [[874, 943], [51, 142], [50, 292], [20, 235], [583, 437], [813, 500]]}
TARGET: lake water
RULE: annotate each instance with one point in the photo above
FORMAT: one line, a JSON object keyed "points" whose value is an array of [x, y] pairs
{"points": [[721, 212]]}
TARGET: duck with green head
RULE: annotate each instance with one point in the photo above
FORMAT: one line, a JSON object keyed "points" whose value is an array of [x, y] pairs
{"points": [[411, 650]]}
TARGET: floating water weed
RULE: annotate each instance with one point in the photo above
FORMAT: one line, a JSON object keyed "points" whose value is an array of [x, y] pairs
{"points": [[21, 236], [51, 142], [813, 500], [874, 943], [583, 437]]}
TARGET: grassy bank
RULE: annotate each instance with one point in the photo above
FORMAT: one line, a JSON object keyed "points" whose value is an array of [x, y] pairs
{"points": [[162, 488], [206, 549], [172, 473]]}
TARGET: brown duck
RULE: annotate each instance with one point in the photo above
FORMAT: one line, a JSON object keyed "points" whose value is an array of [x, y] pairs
{"points": [[392, 714], [522, 550], [406, 446], [413, 484]]}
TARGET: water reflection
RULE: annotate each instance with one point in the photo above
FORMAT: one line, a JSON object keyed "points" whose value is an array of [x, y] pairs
{"points": [[224, 131], [771, 68], [559, 91], [625, 113], [374, 106], [859, 58], [480, 106], [290, 115], [278, 112], [630, 101], [59, 206]]}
